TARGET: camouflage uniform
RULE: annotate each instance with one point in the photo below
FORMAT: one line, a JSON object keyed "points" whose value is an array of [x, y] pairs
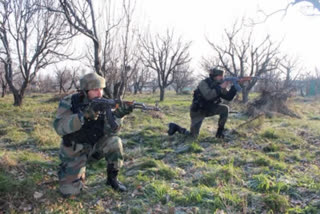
{"points": [[75, 155], [213, 107], [206, 103]]}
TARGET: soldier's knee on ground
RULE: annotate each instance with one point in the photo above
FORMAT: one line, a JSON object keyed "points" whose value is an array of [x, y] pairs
{"points": [[71, 189]]}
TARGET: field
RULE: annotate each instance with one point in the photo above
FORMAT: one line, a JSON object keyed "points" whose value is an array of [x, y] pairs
{"points": [[270, 165]]}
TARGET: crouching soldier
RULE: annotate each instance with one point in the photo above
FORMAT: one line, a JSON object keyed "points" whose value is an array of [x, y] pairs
{"points": [[206, 103], [88, 135]]}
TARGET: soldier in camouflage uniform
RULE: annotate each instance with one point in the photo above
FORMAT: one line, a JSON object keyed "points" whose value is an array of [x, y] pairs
{"points": [[206, 103], [87, 135]]}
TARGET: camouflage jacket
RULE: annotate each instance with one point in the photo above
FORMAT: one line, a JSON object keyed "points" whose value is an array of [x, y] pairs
{"points": [[67, 122], [210, 89], [209, 94]]}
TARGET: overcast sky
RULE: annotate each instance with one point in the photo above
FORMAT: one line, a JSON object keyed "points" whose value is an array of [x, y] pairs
{"points": [[195, 19]]}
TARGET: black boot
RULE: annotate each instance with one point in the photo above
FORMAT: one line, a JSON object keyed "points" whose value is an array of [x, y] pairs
{"points": [[219, 133], [173, 128], [112, 179]]}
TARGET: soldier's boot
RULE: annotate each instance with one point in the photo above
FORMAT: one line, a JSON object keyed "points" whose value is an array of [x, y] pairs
{"points": [[173, 128], [219, 133], [112, 179]]}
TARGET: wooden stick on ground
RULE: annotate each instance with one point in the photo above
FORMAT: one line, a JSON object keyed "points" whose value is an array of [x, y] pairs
{"points": [[249, 121]]}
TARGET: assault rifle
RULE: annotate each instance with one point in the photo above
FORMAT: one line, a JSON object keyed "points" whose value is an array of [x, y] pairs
{"points": [[235, 81], [100, 104]]}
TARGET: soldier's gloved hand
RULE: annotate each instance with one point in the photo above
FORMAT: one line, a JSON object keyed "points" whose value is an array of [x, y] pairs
{"points": [[90, 113], [123, 109]]}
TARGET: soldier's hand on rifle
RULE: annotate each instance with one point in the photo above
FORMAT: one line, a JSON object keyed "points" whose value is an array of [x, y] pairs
{"points": [[91, 112], [225, 84], [124, 108], [242, 80]]}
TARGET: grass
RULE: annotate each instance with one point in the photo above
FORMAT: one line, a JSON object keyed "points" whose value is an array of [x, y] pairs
{"points": [[270, 165]]}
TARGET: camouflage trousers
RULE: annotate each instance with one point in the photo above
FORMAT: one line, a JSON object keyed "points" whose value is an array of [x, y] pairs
{"points": [[198, 116], [74, 159]]}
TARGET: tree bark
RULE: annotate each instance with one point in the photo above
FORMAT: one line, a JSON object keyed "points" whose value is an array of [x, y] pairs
{"points": [[4, 90], [17, 99], [245, 95], [135, 88], [162, 92]]}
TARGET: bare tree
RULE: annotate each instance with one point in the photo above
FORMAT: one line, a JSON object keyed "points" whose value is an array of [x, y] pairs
{"points": [[46, 83], [75, 77], [63, 77], [113, 58], [153, 83], [284, 78], [140, 79], [3, 81], [130, 59], [81, 16], [311, 8], [163, 55], [241, 56], [182, 78], [120, 58], [31, 38], [289, 67]]}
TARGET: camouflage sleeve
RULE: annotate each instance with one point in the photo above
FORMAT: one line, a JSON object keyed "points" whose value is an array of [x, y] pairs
{"points": [[66, 122], [207, 92]]}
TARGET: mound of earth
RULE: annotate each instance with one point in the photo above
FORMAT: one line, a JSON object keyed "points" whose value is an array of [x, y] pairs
{"points": [[270, 103]]}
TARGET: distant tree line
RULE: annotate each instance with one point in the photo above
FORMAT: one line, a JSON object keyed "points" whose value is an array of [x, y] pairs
{"points": [[37, 35]]}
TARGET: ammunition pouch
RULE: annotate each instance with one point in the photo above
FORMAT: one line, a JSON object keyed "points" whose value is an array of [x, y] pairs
{"points": [[90, 132]]}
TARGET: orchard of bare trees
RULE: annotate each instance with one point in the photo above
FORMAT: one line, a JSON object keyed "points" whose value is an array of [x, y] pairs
{"points": [[41, 41]]}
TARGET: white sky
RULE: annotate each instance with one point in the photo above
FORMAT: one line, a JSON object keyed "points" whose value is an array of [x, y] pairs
{"points": [[195, 19]]}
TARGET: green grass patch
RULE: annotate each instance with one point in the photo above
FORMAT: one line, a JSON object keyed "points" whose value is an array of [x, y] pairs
{"points": [[259, 168], [45, 136], [222, 174], [152, 167], [276, 203], [270, 134]]}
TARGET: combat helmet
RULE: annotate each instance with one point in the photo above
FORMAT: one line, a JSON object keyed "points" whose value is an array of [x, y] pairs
{"points": [[92, 81], [215, 72]]}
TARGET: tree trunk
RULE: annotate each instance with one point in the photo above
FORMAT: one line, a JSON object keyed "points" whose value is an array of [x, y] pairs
{"points": [[122, 90], [245, 95], [135, 88], [4, 89], [97, 63], [17, 99], [162, 90], [116, 90], [301, 92]]}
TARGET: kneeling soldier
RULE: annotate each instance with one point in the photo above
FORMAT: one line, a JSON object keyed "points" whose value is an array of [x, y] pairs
{"points": [[88, 135], [207, 102]]}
